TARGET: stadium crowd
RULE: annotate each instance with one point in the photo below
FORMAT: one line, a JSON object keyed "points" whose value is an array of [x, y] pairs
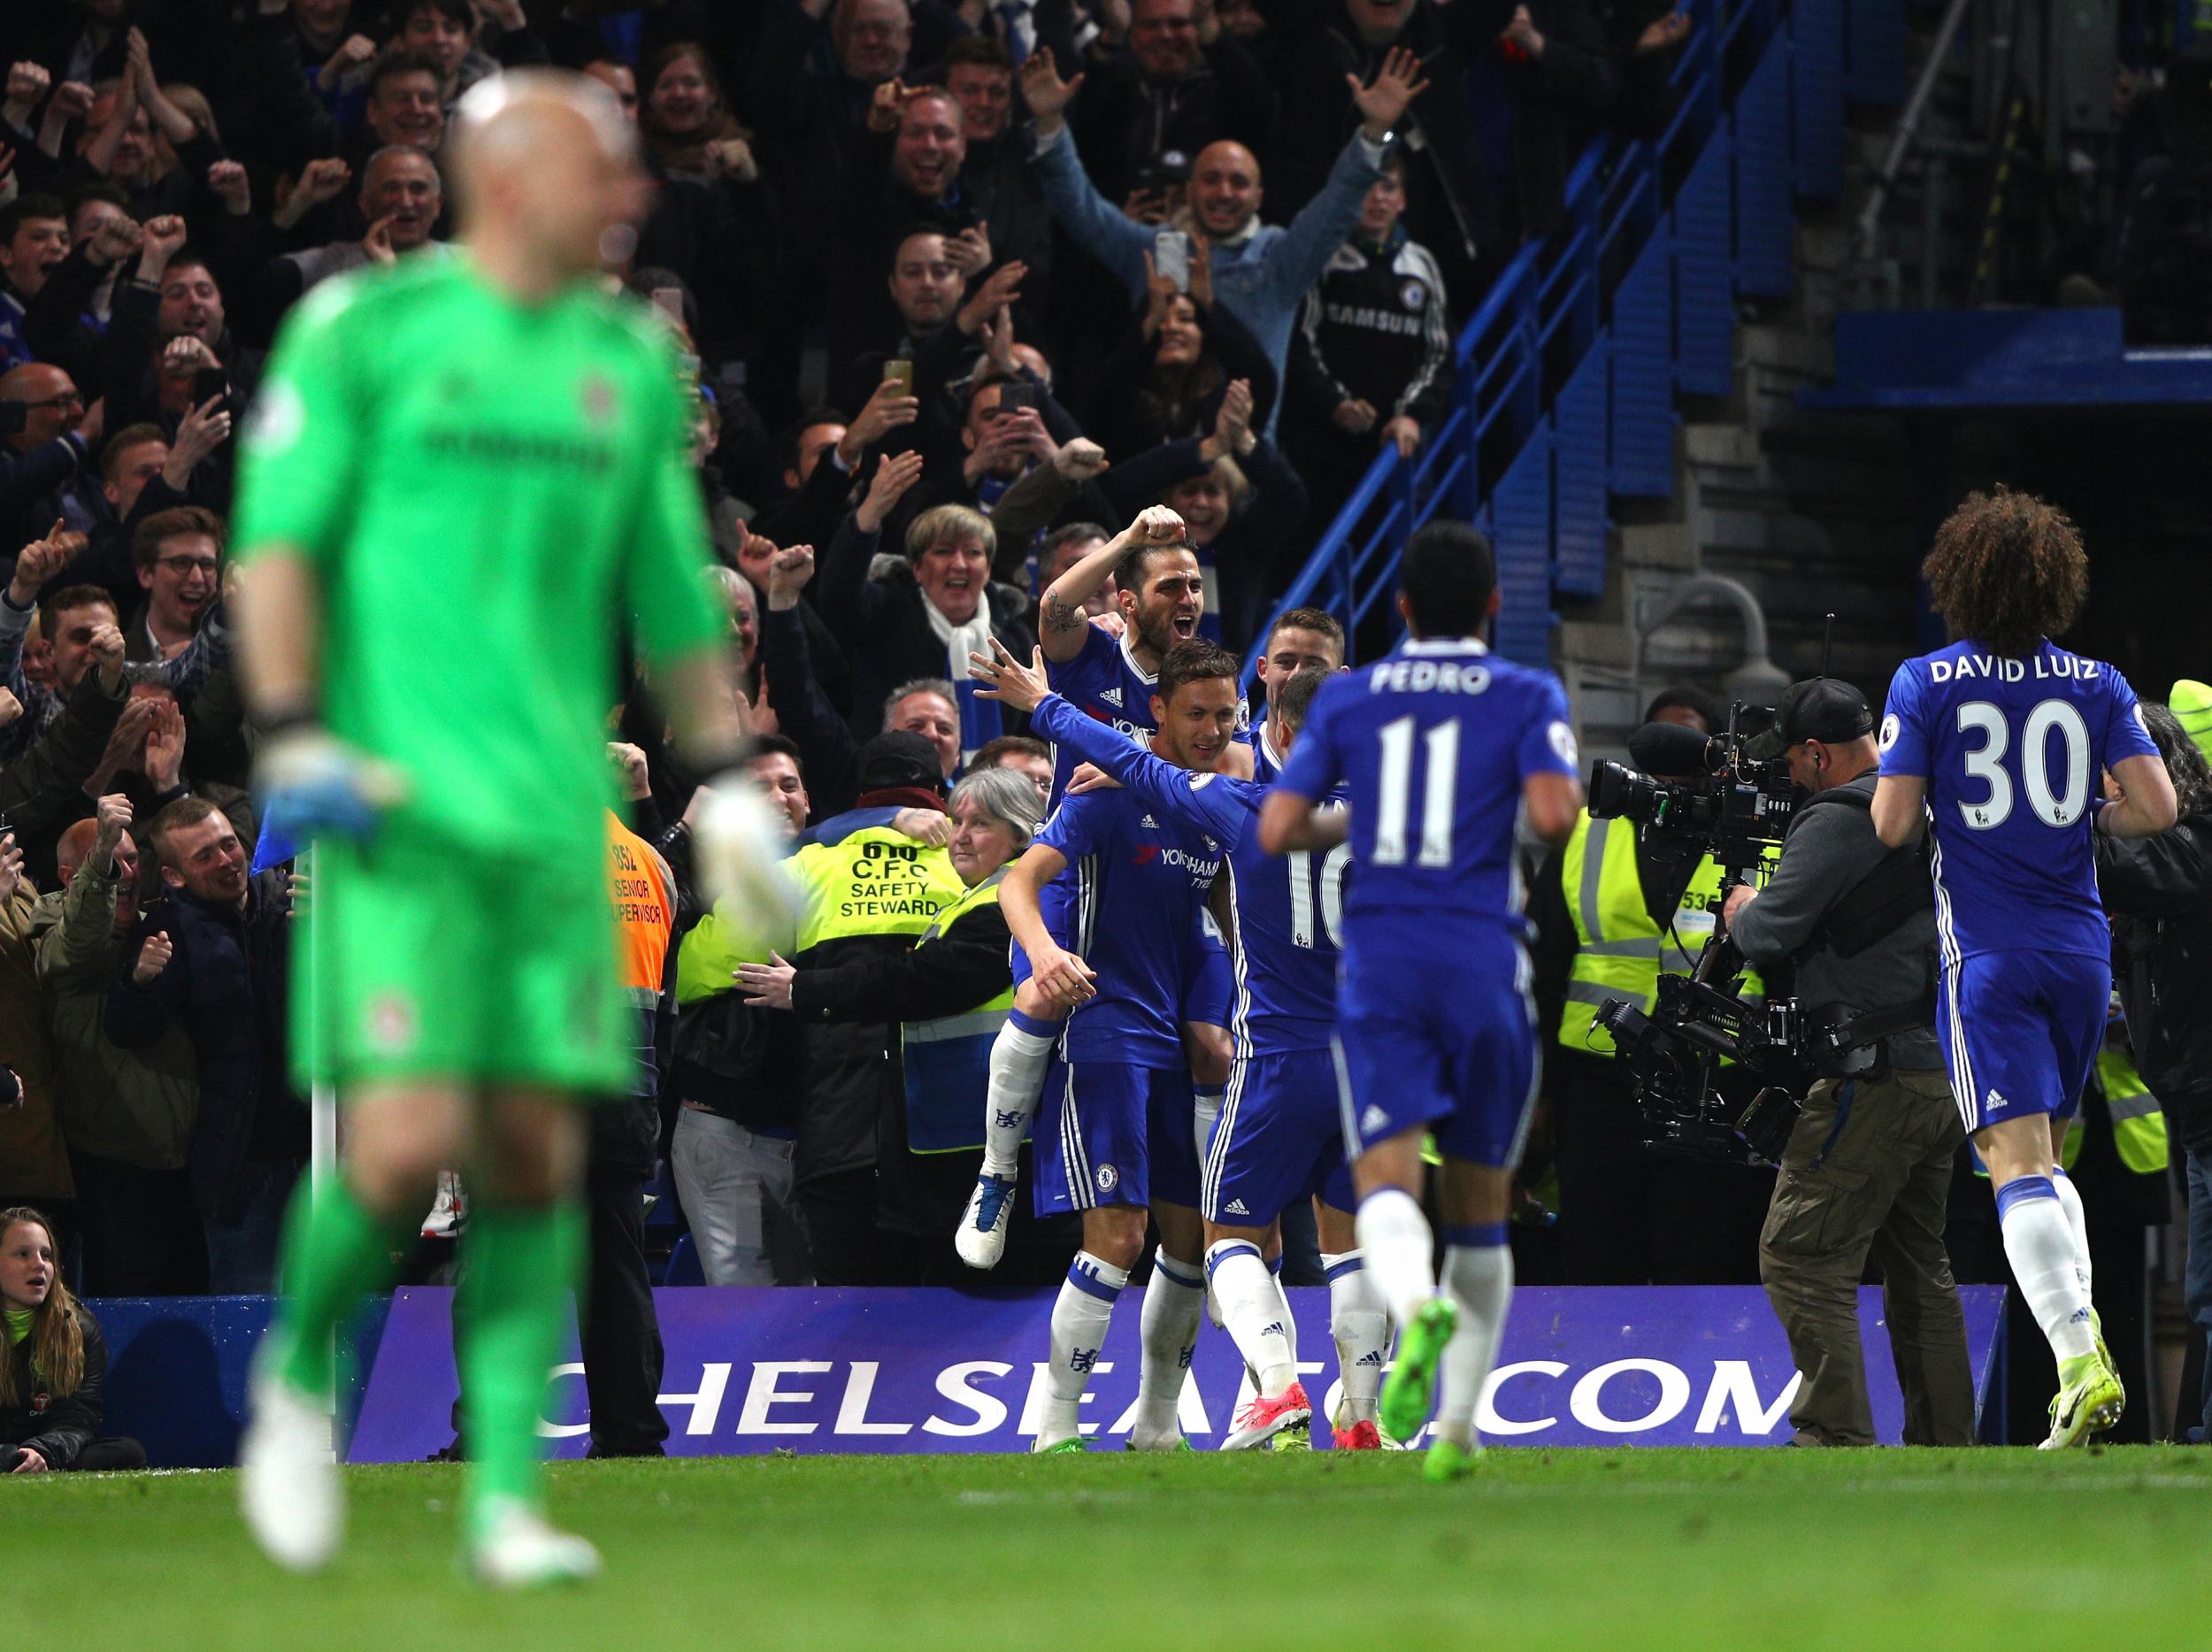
{"points": [[963, 289], [959, 283]]}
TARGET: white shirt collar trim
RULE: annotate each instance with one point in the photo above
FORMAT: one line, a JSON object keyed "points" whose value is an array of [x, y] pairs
{"points": [[1150, 679]]}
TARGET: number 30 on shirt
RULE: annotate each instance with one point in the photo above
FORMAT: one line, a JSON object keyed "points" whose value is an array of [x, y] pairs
{"points": [[2056, 804]]}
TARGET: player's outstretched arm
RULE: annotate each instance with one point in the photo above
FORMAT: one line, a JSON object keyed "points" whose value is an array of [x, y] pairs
{"points": [[308, 783], [1900, 808], [1552, 802], [1062, 976], [1288, 822], [737, 845], [280, 632], [2147, 805]]}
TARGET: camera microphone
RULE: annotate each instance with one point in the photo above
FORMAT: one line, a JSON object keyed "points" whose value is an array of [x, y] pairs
{"points": [[1665, 749]]}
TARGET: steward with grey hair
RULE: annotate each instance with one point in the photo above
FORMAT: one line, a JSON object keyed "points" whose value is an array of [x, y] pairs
{"points": [[951, 995]]}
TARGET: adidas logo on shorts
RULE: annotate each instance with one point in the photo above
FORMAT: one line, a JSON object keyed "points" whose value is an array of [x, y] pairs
{"points": [[1236, 1208], [1374, 1121]]}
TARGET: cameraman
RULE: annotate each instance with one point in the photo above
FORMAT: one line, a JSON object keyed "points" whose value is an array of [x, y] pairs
{"points": [[1617, 910], [1868, 1168]]}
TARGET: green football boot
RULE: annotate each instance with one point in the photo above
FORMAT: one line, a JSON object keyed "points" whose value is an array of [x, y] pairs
{"points": [[2096, 1332], [1410, 1392], [1447, 1462], [2089, 1401]]}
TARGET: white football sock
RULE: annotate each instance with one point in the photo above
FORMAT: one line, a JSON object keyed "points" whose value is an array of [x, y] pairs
{"points": [[1080, 1319], [1206, 1107], [1174, 1302], [2040, 1244], [1290, 1320], [1359, 1328], [1019, 1057], [2076, 1218], [1479, 1275], [1401, 1252], [1253, 1313]]}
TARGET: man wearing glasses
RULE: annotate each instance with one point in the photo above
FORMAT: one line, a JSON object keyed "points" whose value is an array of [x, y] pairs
{"points": [[47, 436], [179, 557]]}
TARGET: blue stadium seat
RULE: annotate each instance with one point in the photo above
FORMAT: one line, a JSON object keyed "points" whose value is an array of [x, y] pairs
{"points": [[683, 1263]]}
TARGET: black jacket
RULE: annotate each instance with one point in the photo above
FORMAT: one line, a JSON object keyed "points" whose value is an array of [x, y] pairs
{"points": [[1457, 206], [1125, 420], [42, 791], [2159, 892], [890, 638], [1124, 125], [57, 1426], [967, 966], [874, 212], [1375, 328], [226, 983], [850, 1070]]}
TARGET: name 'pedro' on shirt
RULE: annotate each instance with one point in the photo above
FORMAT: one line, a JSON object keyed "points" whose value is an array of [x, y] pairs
{"points": [[1422, 676]]}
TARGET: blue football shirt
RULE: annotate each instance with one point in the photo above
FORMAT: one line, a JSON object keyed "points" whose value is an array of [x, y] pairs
{"points": [[1433, 744], [1136, 881], [1286, 909], [1104, 684], [2012, 751]]}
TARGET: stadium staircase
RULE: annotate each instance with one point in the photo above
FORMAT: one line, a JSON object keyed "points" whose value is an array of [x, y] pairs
{"points": [[1626, 417]]}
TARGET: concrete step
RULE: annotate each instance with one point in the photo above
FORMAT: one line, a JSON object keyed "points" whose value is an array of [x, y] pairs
{"points": [[1672, 545], [1799, 350], [1824, 243], [1733, 445]]}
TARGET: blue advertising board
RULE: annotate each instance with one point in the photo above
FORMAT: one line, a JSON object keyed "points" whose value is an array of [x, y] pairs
{"points": [[754, 1370]]}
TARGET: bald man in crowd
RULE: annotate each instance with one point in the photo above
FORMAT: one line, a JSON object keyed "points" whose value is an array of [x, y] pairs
{"points": [[1260, 272]]}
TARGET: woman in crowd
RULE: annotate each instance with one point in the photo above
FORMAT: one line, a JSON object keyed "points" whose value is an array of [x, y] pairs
{"points": [[924, 617], [708, 222], [1175, 363], [1242, 513], [2159, 892], [686, 121], [951, 993], [50, 1379]]}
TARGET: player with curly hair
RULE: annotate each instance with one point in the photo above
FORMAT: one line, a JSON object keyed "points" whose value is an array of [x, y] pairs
{"points": [[1997, 742]]}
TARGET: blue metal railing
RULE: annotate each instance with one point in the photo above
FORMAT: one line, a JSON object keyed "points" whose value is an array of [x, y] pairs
{"points": [[1568, 372]]}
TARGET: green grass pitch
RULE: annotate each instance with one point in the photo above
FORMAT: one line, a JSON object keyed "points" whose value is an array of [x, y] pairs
{"points": [[1589, 1550]]}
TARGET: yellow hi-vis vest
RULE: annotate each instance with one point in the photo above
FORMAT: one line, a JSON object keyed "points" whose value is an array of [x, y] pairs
{"points": [[2138, 1124], [870, 880], [948, 1060], [1618, 953]]}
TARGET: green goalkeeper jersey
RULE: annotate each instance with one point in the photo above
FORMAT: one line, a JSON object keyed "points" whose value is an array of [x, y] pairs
{"points": [[492, 494]]}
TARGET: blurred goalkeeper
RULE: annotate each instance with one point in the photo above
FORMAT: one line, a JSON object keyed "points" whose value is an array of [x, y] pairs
{"points": [[498, 427]]}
